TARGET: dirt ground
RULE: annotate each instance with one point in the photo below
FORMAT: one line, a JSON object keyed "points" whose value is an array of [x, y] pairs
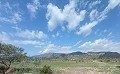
{"points": [[84, 70]]}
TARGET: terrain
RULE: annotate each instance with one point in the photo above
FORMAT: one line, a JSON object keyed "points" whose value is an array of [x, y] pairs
{"points": [[79, 62], [71, 67], [77, 55], [70, 63]]}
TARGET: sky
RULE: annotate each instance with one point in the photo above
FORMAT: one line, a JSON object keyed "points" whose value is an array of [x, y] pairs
{"points": [[61, 26]]}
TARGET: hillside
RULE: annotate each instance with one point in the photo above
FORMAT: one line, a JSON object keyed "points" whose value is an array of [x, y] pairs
{"points": [[78, 55]]}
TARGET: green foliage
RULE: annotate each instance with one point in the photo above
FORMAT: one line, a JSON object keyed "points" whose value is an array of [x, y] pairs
{"points": [[118, 67], [57, 64], [22, 70], [46, 70], [29, 67], [9, 54]]}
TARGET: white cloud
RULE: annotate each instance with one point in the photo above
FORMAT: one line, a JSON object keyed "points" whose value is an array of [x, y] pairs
{"points": [[31, 34], [110, 34], [54, 15], [83, 4], [16, 18], [53, 36], [112, 4], [87, 28], [27, 42], [8, 20], [49, 48], [93, 15], [4, 37], [77, 43], [71, 16], [101, 45], [93, 4], [57, 49], [56, 35], [13, 16], [33, 7], [74, 19], [57, 16], [6, 7], [65, 49], [16, 28], [105, 31]]}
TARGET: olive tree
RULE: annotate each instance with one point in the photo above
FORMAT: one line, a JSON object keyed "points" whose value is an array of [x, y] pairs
{"points": [[9, 54]]}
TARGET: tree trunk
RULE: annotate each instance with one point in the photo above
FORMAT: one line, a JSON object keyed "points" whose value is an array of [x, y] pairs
{"points": [[5, 68], [9, 71]]}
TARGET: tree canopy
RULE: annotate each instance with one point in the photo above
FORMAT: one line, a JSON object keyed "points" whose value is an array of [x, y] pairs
{"points": [[10, 53]]}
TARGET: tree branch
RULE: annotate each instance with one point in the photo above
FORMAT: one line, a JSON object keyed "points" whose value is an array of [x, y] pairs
{"points": [[2, 62]]}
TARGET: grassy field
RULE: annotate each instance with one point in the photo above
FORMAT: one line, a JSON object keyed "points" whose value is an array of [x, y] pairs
{"points": [[70, 67], [101, 67]]}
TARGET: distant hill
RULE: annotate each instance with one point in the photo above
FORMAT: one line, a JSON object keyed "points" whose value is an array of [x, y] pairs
{"points": [[50, 56], [110, 55], [78, 55]]}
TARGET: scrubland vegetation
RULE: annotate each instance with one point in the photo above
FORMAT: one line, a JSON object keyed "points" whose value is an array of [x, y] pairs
{"points": [[13, 60], [65, 67]]}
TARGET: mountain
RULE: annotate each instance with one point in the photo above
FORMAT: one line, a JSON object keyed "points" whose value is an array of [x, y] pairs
{"points": [[46, 56], [110, 55], [52, 55], [78, 55], [94, 55]]}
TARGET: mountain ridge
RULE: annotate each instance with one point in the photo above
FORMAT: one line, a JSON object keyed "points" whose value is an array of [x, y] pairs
{"points": [[78, 55]]}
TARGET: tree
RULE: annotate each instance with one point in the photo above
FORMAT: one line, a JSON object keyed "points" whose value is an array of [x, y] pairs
{"points": [[9, 54]]}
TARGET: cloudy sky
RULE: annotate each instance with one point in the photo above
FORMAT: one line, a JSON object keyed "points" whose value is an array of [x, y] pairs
{"points": [[61, 26]]}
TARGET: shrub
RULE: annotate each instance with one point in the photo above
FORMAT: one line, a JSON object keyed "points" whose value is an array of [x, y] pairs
{"points": [[118, 66], [46, 70]]}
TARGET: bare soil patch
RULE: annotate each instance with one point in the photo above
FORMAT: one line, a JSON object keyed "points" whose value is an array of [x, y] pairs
{"points": [[83, 70]]}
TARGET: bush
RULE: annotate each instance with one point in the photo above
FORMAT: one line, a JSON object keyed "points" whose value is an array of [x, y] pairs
{"points": [[46, 70], [23, 69], [118, 66]]}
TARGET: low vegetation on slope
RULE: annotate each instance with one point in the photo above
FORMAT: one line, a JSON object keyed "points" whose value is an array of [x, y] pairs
{"points": [[13, 60]]}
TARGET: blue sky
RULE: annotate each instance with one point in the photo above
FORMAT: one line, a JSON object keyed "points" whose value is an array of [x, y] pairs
{"points": [[61, 26]]}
